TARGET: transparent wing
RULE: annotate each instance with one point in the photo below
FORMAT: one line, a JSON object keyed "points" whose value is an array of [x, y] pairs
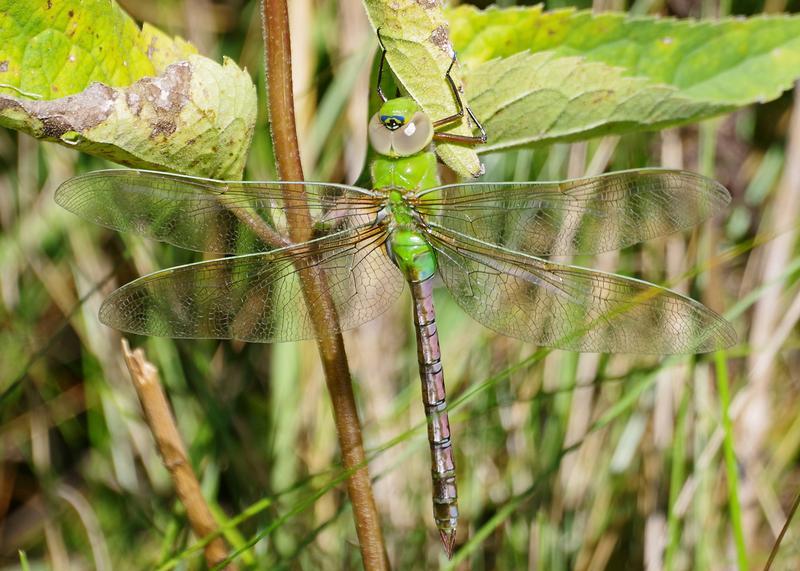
{"points": [[205, 215], [258, 297], [573, 308], [582, 216]]}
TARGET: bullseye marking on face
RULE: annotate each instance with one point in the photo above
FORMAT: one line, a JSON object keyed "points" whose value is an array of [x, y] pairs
{"points": [[393, 122]]}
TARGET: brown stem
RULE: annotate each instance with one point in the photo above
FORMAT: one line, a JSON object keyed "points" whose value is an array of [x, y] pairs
{"points": [[321, 308], [173, 453]]}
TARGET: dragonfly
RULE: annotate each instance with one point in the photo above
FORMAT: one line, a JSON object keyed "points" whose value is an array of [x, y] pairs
{"points": [[490, 243]]}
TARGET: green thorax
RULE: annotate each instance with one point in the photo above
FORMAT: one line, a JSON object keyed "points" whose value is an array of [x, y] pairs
{"points": [[413, 173]]}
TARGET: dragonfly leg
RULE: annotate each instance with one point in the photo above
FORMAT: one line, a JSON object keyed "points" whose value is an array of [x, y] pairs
{"points": [[458, 115], [454, 138], [378, 87], [443, 471]]}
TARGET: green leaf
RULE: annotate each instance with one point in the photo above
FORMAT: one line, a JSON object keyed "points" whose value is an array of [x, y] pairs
{"points": [[539, 98], [540, 77], [419, 52], [84, 74]]}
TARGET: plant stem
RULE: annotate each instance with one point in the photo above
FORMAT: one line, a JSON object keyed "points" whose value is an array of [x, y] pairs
{"points": [[173, 452], [322, 311]]}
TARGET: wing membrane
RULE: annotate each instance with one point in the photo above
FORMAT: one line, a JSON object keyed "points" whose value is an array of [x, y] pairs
{"points": [[582, 216], [573, 308], [258, 297], [205, 215]]}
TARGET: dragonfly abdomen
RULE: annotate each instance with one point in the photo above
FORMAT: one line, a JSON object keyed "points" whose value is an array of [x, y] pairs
{"points": [[434, 397]]}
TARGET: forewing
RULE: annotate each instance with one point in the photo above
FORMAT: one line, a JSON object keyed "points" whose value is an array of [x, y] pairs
{"points": [[226, 217], [574, 308], [582, 216], [258, 297]]}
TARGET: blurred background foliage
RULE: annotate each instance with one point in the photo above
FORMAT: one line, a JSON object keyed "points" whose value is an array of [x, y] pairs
{"points": [[565, 461]]}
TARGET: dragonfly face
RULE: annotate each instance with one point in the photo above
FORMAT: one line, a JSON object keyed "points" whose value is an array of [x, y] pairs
{"points": [[400, 128]]}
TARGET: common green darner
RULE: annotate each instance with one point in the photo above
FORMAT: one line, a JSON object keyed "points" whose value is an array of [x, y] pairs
{"points": [[487, 242]]}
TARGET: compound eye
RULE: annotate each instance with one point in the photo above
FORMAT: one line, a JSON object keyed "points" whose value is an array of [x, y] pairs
{"points": [[379, 136], [414, 136]]}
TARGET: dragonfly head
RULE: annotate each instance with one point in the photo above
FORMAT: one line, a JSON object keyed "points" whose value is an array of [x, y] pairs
{"points": [[400, 128]]}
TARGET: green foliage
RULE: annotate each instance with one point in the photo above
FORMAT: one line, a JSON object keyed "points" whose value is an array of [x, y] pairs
{"points": [[57, 49], [83, 74], [541, 77]]}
